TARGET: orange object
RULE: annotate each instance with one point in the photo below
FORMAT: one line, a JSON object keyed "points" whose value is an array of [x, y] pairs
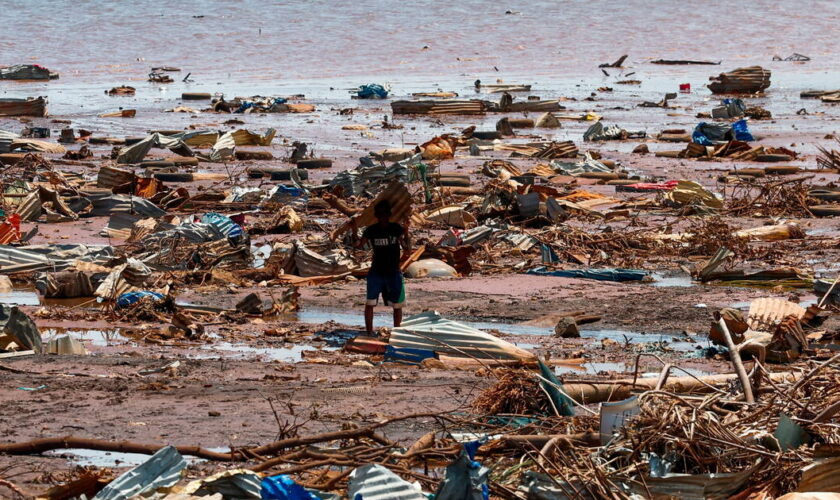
{"points": [[365, 345]]}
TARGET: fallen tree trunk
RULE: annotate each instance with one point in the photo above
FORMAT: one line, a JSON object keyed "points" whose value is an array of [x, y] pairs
{"points": [[617, 390], [564, 441], [67, 442]]}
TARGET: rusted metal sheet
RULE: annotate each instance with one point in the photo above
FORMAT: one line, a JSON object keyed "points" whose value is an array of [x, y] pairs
{"points": [[565, 149], [23, 107], [766, 313], [431, 331], [110, 177], [147, 187], [66, 284], [821, 475], [471, 107], [399, 198]]}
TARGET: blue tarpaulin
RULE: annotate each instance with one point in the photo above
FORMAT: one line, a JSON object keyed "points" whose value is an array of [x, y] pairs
{"points": [[609, 274], [372, 91], [742, 133], [407, 354], [283, 487], [709, 134]]}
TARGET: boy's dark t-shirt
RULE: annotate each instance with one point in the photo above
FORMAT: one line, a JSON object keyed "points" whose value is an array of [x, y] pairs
{"points": [[386, 247]]}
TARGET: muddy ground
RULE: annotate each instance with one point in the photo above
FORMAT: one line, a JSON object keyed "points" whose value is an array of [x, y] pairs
{"points": [[222, 393]]}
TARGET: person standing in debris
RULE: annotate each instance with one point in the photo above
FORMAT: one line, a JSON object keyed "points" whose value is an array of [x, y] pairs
{"points": [[385, 278]]}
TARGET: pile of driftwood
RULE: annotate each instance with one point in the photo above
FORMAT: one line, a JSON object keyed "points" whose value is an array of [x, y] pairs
{"points": [[747, 80]]}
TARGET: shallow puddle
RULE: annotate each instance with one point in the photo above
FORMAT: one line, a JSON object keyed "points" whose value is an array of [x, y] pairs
{"points": [[99, 338], [20, 298], [98, 458], [30, 297], [680, 280], [622, 336], [317, 316], [596, 367], [291, 354]]}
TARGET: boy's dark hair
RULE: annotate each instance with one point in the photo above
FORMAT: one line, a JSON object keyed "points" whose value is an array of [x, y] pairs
{"points": [[382, 209]]}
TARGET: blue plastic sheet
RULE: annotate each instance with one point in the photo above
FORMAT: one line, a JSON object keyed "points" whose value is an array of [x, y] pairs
{"points": [[372, 91], [283, 487], [742, 133], [131, 298], [609, 274], [407, 354], [708, 134]]}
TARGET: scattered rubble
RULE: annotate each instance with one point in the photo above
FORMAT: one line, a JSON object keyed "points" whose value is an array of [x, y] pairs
{"points": [[582, 321]]}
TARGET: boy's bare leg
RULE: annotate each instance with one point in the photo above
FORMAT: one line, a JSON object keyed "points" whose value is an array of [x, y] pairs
{"points": [[369, 320], [397, 316]]}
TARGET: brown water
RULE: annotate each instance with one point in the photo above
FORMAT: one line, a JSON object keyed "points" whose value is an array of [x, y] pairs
{"points": [[270, 44], [323, 48], [296, 40]]}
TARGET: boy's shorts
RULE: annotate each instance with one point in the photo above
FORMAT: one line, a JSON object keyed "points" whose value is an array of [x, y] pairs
{"points": [[390, 286]]}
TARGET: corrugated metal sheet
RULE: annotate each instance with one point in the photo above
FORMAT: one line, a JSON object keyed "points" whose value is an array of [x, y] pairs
{"points": [[375, 482], [203, 138], [23, 107], [29, 207], [578, 168], [523, 242], [399, 198], [565, 149], [118, 203], [139, 150], [310, 263], [766, 313], [161, 470], [694, 486], [38, 146], [6, 139], [244, 137], [120, 225], [431, 331], [50, 257], [110, 177]]}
